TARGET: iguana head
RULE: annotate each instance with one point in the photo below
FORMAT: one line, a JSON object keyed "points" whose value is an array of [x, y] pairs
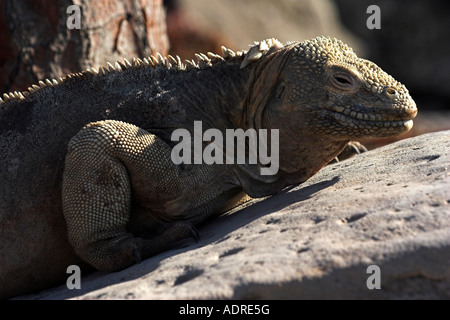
{"points": [[350, 96], [320, 95], [336, 93]]}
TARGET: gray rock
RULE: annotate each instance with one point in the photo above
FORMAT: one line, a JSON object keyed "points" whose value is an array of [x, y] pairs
{"points": [[388, 207]]}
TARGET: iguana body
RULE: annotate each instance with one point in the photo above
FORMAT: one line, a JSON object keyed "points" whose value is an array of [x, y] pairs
{"points": [[117, 197]]}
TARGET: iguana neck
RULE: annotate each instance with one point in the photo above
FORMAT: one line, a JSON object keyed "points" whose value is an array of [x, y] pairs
{"points": [[217, 95], [227, 96]]}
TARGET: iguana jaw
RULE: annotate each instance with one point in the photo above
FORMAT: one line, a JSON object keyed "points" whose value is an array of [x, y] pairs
{"points": [[369, 123], [373, 127]]}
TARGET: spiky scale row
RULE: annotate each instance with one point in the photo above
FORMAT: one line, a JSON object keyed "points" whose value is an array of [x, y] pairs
{"points": [[203, 60], [13, 95], [228, 53], [259, 49], [42, 84]]}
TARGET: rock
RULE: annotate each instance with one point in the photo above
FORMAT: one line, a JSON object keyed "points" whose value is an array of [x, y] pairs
{"points": [[36, 42], [388, 207]]}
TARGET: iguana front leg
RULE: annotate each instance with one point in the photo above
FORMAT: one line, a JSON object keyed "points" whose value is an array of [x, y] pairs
{"points": [[108, 164], [351, 149]]}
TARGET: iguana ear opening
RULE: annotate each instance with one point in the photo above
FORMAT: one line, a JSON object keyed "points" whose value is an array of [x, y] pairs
{"points": [[259, 49]]}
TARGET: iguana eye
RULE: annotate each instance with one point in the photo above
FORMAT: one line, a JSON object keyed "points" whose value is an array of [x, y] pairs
{"points": [[344, 81]]}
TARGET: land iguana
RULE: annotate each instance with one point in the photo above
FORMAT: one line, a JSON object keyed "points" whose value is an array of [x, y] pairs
{"points": [[86, 171]]}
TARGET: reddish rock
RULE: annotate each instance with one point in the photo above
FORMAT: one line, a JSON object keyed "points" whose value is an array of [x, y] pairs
{"points": [[37, 44]]}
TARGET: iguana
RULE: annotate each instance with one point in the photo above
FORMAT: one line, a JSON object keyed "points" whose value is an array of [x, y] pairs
{"points": [[86, 170]]}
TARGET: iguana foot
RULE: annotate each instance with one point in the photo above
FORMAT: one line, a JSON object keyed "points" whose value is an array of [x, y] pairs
{"points": [[180, 234], [351, 149], [113, 254]]}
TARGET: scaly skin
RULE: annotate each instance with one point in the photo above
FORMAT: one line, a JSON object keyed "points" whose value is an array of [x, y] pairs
{"points": [[120, 199]]}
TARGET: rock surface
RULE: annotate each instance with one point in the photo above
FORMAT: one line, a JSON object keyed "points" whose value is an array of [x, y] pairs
{"points": [[389, 207]]}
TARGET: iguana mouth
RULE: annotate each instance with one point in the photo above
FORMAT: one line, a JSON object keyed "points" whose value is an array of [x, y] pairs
{"points": [[370, 119], [372, 122]]}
